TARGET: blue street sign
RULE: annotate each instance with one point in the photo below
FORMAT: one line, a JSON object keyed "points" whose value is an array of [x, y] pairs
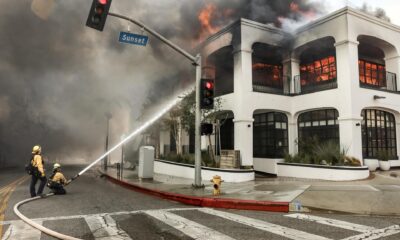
{"points": [[131, 38]]}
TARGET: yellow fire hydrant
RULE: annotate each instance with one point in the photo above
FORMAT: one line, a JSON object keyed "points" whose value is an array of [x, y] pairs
{"points": [[217, 184]]}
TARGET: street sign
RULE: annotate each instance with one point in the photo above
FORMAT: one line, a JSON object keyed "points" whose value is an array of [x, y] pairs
{"points": [[131, 38]]}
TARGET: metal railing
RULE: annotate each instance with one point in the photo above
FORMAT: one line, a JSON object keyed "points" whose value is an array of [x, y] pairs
{"points": [[295, 87], [282, 86], [310, 87], [389, 83]]}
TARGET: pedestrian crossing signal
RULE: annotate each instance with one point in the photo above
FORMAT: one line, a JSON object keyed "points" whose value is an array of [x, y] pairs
{"points": [[98, 14]]}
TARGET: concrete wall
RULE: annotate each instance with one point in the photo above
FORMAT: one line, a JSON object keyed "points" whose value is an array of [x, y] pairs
{"points": [[187, 171], [319, 172]]}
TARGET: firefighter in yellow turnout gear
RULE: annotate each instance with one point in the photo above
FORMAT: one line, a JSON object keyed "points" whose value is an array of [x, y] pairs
{"points": [[38, 171], [57, 181]]}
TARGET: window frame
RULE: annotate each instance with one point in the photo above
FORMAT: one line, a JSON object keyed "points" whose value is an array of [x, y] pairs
{"points": [[311, 71], [380, 73], [376, 138], [322, 123], [270, 135]]}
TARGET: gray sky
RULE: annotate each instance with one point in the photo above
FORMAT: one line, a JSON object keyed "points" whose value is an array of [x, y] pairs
{"points": [[390, 6]]}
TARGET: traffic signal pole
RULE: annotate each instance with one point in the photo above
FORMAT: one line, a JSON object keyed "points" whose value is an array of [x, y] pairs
{"points": [[196, 61]]}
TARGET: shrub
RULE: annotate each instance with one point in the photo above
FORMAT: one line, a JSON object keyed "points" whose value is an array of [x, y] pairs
{"points": [[325, 153], [383, 155]]}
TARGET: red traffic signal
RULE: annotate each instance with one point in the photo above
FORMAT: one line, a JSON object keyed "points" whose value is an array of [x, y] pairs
{"points": [[98, 14], [206, 94]]}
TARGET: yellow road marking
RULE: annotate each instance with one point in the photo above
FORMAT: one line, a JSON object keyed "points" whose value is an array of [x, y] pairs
{"points": [[12, 183], [7, 192]]}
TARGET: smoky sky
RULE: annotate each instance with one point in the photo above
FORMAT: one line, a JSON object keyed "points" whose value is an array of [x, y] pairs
{"points": [[58, 78]]}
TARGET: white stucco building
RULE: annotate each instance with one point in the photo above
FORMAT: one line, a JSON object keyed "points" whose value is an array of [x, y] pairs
{"points": [[335, 77]]}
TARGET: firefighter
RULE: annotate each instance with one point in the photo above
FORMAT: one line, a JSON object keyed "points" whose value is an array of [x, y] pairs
{"points": [[38, 172], [57, 181]]}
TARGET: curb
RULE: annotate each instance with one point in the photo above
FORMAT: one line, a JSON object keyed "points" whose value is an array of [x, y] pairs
{"points": [[228, 203]]}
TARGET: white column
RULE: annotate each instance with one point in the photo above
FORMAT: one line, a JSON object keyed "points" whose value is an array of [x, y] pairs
{"points": [[243, 114], [398, 137], [295, 67], [350, 136], [292, 135], [393, 65], [348, 84], [244, 139], [291, 68]]}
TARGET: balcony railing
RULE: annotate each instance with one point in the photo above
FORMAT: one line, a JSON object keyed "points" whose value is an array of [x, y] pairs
{"points": [[310, 87], [286, 87], [389, 83], [281, 86]]}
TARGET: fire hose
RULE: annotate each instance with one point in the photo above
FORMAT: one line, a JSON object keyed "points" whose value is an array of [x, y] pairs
{"points": [[36, 225], [134, 133]]}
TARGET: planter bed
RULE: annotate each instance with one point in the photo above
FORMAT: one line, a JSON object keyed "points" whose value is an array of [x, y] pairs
{"points": [[187, 171], [313, 171]]}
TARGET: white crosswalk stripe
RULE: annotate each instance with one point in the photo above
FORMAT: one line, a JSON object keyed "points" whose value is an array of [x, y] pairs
{"points": [[22, 231], [105, 228], [376, 234], [332, 222], [190, 228], [265, 226]]}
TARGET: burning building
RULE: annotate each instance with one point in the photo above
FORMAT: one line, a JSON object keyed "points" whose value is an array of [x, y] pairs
{"points": [[334, 78]]}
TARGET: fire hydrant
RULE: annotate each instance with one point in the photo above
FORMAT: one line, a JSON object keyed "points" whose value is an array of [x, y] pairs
{"points": [[217, 184]]}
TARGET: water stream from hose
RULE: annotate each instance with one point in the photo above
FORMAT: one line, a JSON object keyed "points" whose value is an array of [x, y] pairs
{"points": [[172, 103]]}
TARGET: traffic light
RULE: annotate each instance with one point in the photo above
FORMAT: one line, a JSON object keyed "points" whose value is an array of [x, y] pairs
{"points": [[98, 14], [206, 129], [206, 94]]}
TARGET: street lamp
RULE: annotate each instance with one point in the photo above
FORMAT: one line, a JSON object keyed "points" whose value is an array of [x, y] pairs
{"points": [[108, 117], [122, 156]]}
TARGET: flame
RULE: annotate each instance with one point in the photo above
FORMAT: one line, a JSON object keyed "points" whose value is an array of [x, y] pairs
{"points": [[295, 8], [211, 20], [205, 18]]}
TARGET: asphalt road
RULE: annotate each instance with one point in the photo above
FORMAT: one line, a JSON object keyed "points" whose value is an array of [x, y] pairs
{"points": [[97, 209]]}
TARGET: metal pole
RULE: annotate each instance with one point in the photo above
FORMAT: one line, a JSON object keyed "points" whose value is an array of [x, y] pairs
{"points": [[196, 61], [108, 116], [122, 160], [159, 36], [197, 151], [106, 158]]}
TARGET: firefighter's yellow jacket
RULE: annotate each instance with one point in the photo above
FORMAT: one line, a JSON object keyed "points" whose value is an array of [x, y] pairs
{"points": [[37, 162], [59, 178]]}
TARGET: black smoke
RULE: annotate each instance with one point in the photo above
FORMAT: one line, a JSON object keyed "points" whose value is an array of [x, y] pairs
{"points": [[58, 78]]}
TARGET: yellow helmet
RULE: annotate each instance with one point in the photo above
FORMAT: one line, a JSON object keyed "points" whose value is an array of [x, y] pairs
{"points": [[56, 165], [36, 149]]}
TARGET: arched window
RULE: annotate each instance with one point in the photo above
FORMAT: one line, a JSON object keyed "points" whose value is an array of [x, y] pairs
{"points": [[320, 124], [378, 133], [270, 135]]}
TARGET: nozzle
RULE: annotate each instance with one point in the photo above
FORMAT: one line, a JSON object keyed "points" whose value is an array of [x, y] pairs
{"points": [[75, 177]]}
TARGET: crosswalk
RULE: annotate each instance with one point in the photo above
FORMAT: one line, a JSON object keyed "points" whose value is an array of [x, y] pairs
{"points": [[106, 226]]}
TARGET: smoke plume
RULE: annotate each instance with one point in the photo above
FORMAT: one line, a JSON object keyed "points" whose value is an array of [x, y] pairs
{"points": [[58, 78]]}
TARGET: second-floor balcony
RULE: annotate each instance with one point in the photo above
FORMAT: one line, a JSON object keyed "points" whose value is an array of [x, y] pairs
{"points": [[387, 82], [301, 86], [375, 76]]}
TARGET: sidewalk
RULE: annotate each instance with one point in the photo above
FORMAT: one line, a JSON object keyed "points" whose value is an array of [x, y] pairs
{"points": [[380, 194]]}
